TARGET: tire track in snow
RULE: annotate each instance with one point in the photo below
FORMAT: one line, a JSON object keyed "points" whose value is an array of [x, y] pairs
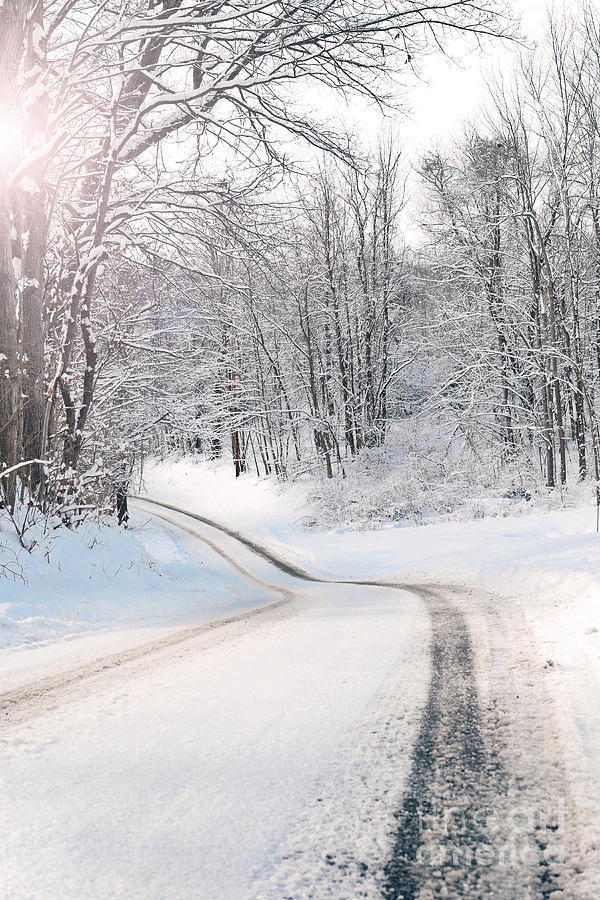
{"points": [[30, 698], [451, 764], [258, 549], [456, 835], [33, 694]]}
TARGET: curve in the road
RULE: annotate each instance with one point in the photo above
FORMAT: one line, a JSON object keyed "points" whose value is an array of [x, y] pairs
{"points": [[444, 845], [258, 549], [456, 770], [30, 697]]}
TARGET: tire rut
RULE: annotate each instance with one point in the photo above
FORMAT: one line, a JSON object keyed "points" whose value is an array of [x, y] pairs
{"points": [[30, 698], [455, 834]]}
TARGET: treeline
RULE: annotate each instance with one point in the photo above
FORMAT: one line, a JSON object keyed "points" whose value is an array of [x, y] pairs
{"points": [[503, 297], [307, 343], [167, 283], [287, 356], [514, 267]]}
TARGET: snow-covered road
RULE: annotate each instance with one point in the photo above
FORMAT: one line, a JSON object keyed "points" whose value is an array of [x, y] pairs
{"points": [[344, 741], [193, 767]]}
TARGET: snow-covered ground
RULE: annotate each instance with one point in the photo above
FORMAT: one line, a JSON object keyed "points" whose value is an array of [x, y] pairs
{"points": [[526, 555], [151, 574], [229, 750], [544, 566], [208, 768], [100, 578]]}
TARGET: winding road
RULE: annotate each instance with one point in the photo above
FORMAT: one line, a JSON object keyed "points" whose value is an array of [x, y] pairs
{"points": [[347, 739]]}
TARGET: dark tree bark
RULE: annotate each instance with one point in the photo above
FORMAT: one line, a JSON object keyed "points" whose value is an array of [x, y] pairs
{"points": [[12, 18]]}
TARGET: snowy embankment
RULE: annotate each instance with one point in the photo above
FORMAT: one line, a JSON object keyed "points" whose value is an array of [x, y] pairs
{"points": [[100, 578]]}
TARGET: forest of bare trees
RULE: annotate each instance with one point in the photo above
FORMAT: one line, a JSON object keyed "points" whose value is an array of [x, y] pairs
{"points": [[515, 274], [191, 259]]}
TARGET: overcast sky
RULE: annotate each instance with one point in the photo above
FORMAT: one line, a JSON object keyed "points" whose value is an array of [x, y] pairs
{"points": [[452, 93], [450, 89]]}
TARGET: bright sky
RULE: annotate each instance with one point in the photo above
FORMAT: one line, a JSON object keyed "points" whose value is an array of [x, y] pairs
{"points": [[454, 93]]}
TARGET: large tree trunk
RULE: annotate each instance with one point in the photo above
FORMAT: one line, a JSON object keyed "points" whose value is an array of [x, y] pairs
{"points": [[10, 405], [12, 16], [33, 249]]}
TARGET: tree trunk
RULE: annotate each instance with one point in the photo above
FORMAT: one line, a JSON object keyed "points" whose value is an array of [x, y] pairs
{"points": [[10, 405], [33, 212], [12, 19]]}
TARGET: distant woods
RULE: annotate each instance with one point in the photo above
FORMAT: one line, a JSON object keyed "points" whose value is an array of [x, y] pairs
{"points": [[302, 346], [500, 305], [495, 317]]}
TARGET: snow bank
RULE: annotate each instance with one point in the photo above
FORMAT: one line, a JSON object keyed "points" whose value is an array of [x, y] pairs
{"points": [[100, 577], [261, 505]]}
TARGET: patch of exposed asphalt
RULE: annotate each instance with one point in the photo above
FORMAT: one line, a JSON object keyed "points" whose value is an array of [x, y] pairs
{"points": [[461, 831]]}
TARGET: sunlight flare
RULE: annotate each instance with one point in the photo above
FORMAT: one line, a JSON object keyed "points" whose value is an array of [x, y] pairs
{"points": [[10, 135]]}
